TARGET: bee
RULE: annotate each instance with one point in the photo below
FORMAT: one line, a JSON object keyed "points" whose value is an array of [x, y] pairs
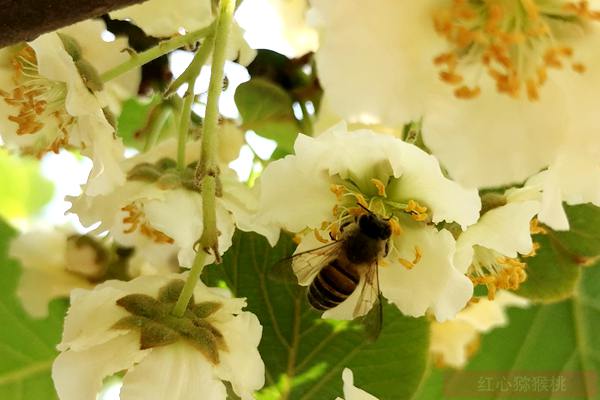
{"points": [[338, 269]]}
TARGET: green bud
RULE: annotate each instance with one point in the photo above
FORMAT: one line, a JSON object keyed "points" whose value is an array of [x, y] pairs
{"points": [[166, 163], [71, 46], [144, 172], [90, 75]]}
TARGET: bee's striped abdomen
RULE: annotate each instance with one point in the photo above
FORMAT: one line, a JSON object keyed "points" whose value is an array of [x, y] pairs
{"points": [[333, 284]]}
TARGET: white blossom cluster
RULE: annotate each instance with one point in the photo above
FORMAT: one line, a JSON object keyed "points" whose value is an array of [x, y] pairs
{"points": [[499, 105]]}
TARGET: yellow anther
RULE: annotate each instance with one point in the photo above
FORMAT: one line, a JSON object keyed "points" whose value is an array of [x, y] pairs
{"points": [[356, 211], [406, 264], [380, 186], [360, 199], [416, 211], [338, 190], [334, 230], [536, 229], [395, 225], [534, 248], [318, 236], [297, 239], [418, 255]]}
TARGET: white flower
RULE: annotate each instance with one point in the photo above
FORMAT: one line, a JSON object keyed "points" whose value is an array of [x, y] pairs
{"points": [[282, 26], [161, 18], [491, 250], [51, 98], [127, 326], [494, 100], [351, 392], [54, 262], [453, 342], [158, 210], [319, 188]]}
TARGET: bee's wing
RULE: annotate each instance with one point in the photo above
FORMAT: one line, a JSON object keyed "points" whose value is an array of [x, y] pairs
{"points": [[302, 267], [369, 305]]}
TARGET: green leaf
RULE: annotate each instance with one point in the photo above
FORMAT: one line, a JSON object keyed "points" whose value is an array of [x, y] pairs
{"points": [[133, 118], [23, 190], [553, 273], [266, 108], [27, 346], [552, 338], [304, 354]]}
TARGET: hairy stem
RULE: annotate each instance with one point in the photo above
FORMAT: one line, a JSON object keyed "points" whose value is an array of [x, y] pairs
{"points": [[207, 167], [191, 74], [164, 47], [207, 173], [190, 284]]}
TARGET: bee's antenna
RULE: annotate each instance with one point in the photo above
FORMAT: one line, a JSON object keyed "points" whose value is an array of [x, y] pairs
{"points": [[364, 208]]}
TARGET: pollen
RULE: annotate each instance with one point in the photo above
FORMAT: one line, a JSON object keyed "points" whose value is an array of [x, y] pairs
{"points": [[380, 187], [416, 211], [513, 42], [338, 190], [136, 219], [411, 264], [36, 100], [536, 229], [395, 226]]}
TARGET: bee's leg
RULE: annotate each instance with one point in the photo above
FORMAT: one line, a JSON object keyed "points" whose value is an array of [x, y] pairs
{"points": [[386, 249], [345, 224]]}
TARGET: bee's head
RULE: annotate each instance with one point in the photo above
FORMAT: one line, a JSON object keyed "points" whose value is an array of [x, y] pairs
{"points": [[374, 227]]}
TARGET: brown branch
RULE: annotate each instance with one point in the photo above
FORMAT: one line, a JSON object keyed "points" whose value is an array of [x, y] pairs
{"points": [[24, 20]]}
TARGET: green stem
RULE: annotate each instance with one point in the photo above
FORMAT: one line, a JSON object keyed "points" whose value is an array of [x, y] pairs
{"points": [[207, 171], [207, 166], [191, 74], [190, 285], [164, 47], [306, 122], [157, 126]]}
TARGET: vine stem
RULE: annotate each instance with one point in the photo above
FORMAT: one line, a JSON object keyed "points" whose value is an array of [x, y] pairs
{"points": [[190, 285], [162, 48], [191, 73], [208, 171]]}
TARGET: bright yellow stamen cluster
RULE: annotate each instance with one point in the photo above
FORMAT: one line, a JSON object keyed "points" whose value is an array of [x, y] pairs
{"points": [[136, 218], [416, 211], [511, 40], [36, 98], [509, 277]]}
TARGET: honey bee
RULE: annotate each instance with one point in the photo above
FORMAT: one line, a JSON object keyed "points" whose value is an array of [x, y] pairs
{"points": [[344, 266]]}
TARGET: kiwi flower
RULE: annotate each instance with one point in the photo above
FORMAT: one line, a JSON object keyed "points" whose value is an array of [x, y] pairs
{"points": [[127, 326], [332, 178], [497, 83]]}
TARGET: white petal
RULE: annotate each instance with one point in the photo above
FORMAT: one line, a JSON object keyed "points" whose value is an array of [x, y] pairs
{"points": [[241, 364], [287, 186], [434, 283], [504, 229], [159, 18], [91, 317], [450, 340], [176, 372], [351, 392], [78, 375], [486, 315]]}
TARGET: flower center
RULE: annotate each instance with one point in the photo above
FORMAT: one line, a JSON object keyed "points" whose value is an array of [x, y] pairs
{"points": [[136, 218], [36, 98], [491, 269], [515, 42]]}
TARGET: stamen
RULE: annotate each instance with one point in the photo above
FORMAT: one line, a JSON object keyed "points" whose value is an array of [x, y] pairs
{"points": [[536, 229], [136, 219], [318, 236], [411, 264], [513, 42], [380, 187], [416, 211], [395, 225], [338, 190]]}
